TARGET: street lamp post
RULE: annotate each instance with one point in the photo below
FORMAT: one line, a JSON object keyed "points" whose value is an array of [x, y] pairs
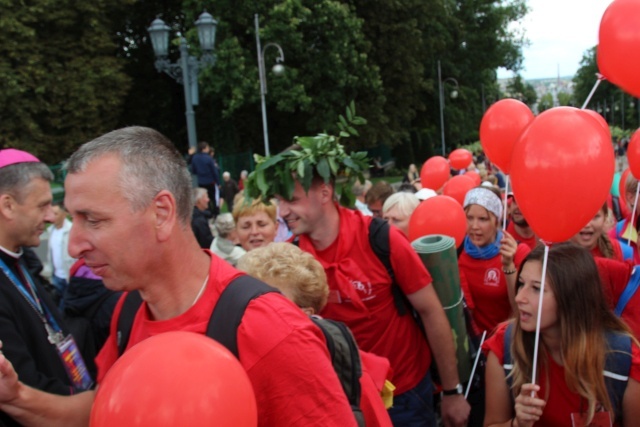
{"points": [[454, 94], [186, 70], [278, 69]]}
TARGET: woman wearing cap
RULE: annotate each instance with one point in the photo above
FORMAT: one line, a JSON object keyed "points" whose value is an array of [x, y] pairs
{"points": [[224, 244], [489, 260]]}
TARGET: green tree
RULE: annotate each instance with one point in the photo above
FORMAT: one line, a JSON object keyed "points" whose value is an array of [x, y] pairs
{"points": [[545, 103], [517, 88], [60, 82], [611, 102], [565, 99]]}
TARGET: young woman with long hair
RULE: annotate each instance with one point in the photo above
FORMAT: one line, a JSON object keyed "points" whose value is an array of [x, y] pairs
{"points": [[579, 335]]}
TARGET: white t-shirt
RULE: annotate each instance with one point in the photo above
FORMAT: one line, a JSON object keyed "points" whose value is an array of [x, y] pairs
{"points": [[55, 243]]}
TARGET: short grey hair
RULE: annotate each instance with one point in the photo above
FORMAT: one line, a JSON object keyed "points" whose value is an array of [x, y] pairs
{"points": [[406, 203], [15, 177], [224, 224], [150, 164], [198, 192]]}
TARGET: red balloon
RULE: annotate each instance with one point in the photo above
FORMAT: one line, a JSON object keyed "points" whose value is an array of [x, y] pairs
{"points": [[619, 44], [438, 215], [599, 119], [475, 176], [173, 379], [500, 128], [458, 186], [435, 172], [460, 158], [622, 186], [562, 170], [633, 154]]}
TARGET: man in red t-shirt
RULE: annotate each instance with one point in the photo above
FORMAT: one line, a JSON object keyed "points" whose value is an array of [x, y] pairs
{"points": [[518, 226], [361, 296], [131, 226]]}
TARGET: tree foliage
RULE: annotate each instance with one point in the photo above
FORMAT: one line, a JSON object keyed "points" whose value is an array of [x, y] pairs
{"points": [[72, 71], [60, 81], [610, 101]]}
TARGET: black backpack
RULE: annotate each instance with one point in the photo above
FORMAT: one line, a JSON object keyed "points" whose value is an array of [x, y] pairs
{"points": [[227, 316]]}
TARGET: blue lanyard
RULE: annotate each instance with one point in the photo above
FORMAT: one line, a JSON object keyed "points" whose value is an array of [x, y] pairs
{"points": [[32, 299]]}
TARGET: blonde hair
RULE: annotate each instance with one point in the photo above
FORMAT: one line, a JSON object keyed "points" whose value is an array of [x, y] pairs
{"points": [[251, 207], [290, 269], [584, 319]]}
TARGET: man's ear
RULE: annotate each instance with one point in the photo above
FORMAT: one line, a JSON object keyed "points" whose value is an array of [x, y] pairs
{"points": [[165, 214], [7, 205], [309, 311], [326, 193]]}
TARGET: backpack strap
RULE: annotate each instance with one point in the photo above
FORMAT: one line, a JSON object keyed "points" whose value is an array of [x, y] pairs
{"points": [[132, 302], [379, 243], [227, 314], [627, 251], [345, 359], [629, 291], [507, 360], [617, 366]]}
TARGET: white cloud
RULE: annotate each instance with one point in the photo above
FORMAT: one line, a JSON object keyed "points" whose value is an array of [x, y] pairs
{"points": [[559, 32]]}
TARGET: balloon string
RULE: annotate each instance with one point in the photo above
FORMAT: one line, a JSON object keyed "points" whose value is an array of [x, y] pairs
{"points": [[537, 341], [475, 364], [633, 215], [600, 78], [506, 193]]}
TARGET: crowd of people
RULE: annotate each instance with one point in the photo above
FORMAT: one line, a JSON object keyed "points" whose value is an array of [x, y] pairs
{"points": [[140, 227]]}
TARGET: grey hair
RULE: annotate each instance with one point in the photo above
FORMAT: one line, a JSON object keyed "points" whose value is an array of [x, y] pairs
{"points": [[244, 174], [406, 203], [198, 192], [226, 173], [14, 178], [224, 224], [150, 164]]}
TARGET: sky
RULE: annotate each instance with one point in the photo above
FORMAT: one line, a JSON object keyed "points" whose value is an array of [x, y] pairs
{"points": [[559, 32]]}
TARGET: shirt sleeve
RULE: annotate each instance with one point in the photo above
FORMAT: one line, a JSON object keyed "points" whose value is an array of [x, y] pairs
{"points": [[286, 358], [495, 343]]}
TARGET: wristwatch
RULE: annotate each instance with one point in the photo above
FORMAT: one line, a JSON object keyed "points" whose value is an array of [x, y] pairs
{"points": [[453, 391]]}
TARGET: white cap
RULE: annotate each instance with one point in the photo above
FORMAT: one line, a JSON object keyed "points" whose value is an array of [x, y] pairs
{"points": [[425, 193]]}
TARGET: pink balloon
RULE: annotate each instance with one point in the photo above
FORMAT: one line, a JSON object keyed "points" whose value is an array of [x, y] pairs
{"points": [[633, 154]]}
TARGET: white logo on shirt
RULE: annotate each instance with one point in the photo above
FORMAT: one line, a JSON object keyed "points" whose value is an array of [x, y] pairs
{"points": [[364, 289], [492, 277]]}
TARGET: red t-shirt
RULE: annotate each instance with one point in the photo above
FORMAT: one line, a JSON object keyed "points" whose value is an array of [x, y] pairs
{"points": [[283, 352], [617, 250], [614, 276], [361, 297], [529, 241], [485, 287], [561, 402]]}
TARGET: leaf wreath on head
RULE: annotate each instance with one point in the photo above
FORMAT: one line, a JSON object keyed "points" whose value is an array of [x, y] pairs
{"points": [[322, 155]]}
